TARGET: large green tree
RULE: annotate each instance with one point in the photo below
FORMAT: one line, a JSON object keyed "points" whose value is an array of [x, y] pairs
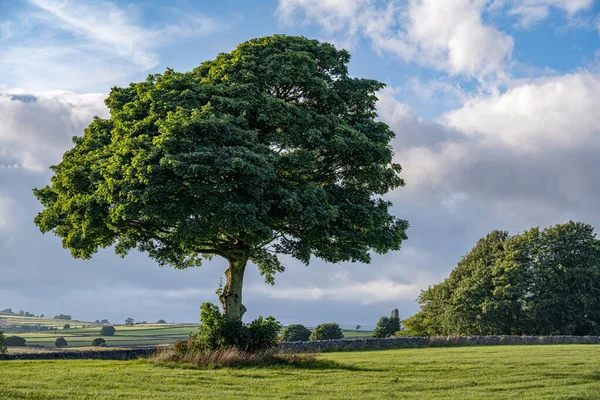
{"points": [[270, 149], [543, 282]]}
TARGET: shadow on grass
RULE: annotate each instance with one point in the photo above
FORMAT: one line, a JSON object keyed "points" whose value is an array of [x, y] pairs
{"points": [[318, 365]]}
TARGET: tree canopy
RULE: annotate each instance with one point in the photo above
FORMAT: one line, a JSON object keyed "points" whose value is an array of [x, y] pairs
{"points": [[270, 149], [541, 282]]}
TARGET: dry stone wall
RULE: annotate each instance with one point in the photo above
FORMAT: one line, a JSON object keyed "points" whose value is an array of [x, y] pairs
{"points": [[437, 341]]}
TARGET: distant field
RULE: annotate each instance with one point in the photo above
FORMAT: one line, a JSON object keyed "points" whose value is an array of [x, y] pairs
{"points": [[130, 336], [494, 372]]}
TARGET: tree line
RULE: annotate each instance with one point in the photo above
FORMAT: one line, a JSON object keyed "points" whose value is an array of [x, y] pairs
{"points": [[539, 282]]}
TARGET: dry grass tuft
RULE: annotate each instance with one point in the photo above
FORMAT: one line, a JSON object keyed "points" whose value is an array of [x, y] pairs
{"points": [[233, 357]]}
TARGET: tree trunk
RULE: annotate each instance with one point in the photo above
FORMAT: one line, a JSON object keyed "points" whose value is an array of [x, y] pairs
{"points": [[231, 297]]}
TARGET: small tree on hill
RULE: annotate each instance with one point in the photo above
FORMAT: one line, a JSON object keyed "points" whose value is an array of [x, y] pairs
{"points": [[270, 149], [63, 316], [104, 321], [327, 331], [61, 342], [161, 321], [295, 333], [99, 342], [15, 341], [67, 326], [2, 343], [357, 327], [129, 321], [386, 327], [107, 331]]}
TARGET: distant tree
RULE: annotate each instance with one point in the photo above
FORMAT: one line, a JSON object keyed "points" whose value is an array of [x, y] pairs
{"points": [[386, 327], [41, 315], [67, 326], [295, 333], [107, 331], [15, 341], [97, 321], [540, 282], [99, 342], [21, 313], [270, 149], [142, 323], [63, 316], [28, 314], [61, 342], [161, 321], [104, 321], [129, 321], [7, 311], [357, 327], [327, 331], [2, 343]]}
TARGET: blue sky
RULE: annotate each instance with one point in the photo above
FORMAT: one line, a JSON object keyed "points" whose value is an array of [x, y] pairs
{"points": [[494, 103]]}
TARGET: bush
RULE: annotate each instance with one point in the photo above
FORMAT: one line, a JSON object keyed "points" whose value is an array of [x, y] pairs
{"points": [[61, 342], [63, 316], [161, 321], [107, 331], [386, 327], [217, 332], [263, 334], [99, 342], [295, 333], [181, 347], [15, 341], [67, 326], [2, 343], [327, 332]]}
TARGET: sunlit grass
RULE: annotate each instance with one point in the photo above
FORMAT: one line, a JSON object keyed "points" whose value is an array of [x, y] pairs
{"points": [[494, 372]]}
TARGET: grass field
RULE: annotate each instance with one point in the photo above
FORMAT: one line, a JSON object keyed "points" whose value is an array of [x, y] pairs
{"points": [[130, 336], [498, 372]]}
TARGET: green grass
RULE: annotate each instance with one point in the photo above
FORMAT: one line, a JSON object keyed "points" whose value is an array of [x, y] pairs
{"points": [[131, 336], [495, 372], [134, 336]]}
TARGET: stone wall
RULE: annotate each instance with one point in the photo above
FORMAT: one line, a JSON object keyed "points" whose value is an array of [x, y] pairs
{"points": [[438, 341], [120, 354]]}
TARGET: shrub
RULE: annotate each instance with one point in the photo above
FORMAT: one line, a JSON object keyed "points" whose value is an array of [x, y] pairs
{"points": [[67, 326], [2, 343], [217, 332], [63, 316], [99, 342], [181, 347], [61, 342], [107, 331], [263, 334], [327, 332], [161, 321], [295, 333], [15, 341], [386, 327]]}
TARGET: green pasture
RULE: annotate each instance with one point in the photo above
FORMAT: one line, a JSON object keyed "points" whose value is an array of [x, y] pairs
{"points": [[494, 372], [134, 336], [131, 336]]}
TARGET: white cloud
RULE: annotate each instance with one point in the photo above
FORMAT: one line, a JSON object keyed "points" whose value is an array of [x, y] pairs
{"points": [[529, 154], [78, 45], [531, 12], [35, 129], [450, 35], [368, 292]]}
